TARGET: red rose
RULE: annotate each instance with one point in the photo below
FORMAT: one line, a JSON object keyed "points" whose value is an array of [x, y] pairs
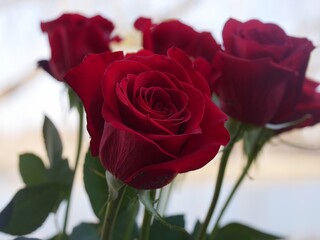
{"points": [[150, 116], [262, 71], [158, 38], [307, 107], [71, 37]]}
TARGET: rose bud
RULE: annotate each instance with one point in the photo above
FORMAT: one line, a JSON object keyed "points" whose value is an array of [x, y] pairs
{"points": [[262, 71], [73, 36]]}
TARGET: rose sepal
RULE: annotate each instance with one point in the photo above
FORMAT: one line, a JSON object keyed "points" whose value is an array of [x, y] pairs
{"points": [[285, 125], [254, 139], [114, 186]]}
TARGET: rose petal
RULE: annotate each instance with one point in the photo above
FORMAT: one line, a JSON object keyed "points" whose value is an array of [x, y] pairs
{"points": [[113, 74], [253, 91], [308, 105], [131, 113], [115, 122], [199, 150], [163, 64], [197, 80], [85, 80], [123, 153]]}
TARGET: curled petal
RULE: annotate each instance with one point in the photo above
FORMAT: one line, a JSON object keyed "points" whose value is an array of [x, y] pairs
{"points": [[85, 80], [253, 91]]}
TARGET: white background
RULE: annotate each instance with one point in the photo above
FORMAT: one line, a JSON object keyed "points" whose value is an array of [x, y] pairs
{"points": [[284, 196]]}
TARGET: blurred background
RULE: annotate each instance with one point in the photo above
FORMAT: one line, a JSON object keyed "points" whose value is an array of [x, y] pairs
{"points": [[283, 193]]}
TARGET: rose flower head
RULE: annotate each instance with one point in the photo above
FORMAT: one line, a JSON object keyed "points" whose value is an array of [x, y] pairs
{"points": [[200, 46], [158, 38], [150, 116], [262, 71], [71, 37], [307, 110]]}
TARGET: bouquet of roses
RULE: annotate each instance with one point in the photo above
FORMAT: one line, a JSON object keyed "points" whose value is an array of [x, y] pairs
{"points": [[163, 110]]}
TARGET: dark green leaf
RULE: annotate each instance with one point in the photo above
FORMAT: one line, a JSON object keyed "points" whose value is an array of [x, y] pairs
{"points": [[196, 231], [32, 169], [28, 209], [238, 231], [85, 231], [59, 236], [61, 172], [95, 184], [159, 231], [74, 100], [25, 238], [52, 141], [144, 197]]}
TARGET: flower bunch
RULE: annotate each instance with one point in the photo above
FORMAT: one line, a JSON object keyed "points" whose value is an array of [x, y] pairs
{"points": [[151, 116]]}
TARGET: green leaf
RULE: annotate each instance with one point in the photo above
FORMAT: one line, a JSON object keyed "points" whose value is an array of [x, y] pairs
{"points": [[144, 197], [28, 209], [254, 139], [95, 184], [238, 231], [25, 238], [52, 141], [159, 231], [85, 231], [74, 100], [61, 172], [32, 169], [59, 236], [196, 231]]}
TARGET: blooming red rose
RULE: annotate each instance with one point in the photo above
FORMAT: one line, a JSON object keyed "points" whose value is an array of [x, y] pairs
{"points": [[262, 71], [201, 46], [150, 116], [71, 37]]}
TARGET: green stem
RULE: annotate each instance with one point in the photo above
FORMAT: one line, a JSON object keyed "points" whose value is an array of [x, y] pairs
{"points": [[130, 223], [223, 163], [78, 151], [254, 140], [147, 218], [164, 195], [111, 216], [231, 195]]}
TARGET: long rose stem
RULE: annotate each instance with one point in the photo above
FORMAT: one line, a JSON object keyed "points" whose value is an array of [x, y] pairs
{"points": [[231, 195], [111, 216], [223, 163], [78, 151], [147, 219]]}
